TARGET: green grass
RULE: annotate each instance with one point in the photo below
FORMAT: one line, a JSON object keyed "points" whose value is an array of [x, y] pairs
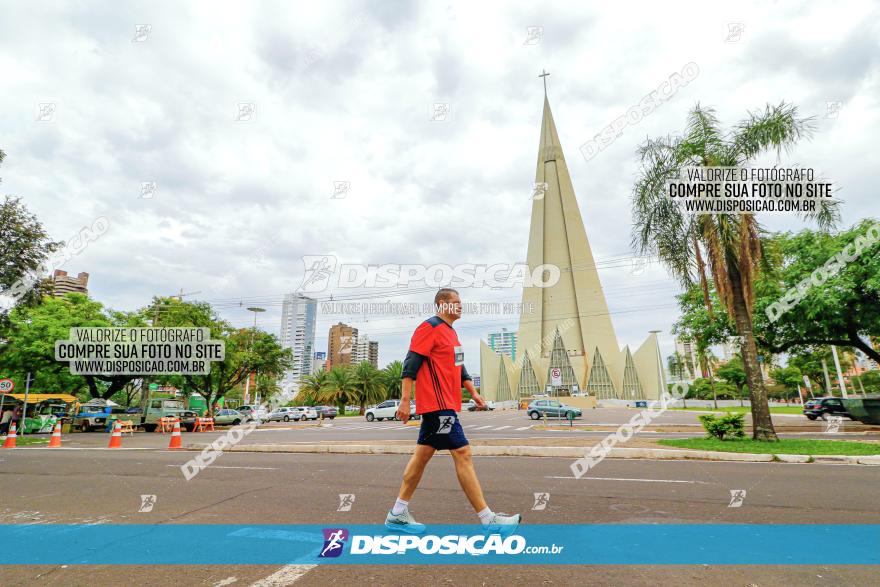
{"points": [[789, 446], [747, 409]]}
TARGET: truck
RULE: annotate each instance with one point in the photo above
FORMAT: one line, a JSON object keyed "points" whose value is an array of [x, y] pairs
{"points": [[167, 408]]}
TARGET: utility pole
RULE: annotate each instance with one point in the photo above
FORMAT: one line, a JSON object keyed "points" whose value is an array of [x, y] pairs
{"points": [[839, 372], [247, 385], [827, 379], [27, 389]]}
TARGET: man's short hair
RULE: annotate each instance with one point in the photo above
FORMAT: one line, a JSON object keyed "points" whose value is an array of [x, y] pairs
{"points": [[444, 294]]}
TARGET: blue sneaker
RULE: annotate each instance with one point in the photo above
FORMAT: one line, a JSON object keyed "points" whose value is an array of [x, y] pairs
{"points": [[502, 524], [403, 523]]}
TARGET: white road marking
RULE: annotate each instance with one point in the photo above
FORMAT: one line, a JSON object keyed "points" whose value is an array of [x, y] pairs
{"points": [[482, 427], [503, 427], [284, 576], [641, 480], [523, 428], [231, 467]]}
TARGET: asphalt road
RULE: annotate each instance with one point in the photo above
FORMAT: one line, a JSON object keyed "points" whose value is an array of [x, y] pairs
{"points": [[96, 486], [498, 424]]}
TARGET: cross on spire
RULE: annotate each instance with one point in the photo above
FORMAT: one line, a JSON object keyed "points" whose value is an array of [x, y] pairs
{"points": [[544, 75]]}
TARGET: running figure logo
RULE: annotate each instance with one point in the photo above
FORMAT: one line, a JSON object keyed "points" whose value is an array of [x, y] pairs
{"points": [[334, 541], [541, 500], [446, 423], [319, 268], [737, 496], [147, 503], [832, 425], [346, 500]]}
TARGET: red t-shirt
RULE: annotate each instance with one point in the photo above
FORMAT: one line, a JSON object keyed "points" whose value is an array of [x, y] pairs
{"points": [[440, 377]]}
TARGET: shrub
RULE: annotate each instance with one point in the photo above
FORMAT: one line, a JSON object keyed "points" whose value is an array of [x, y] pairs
{"points": [[730, 425]]}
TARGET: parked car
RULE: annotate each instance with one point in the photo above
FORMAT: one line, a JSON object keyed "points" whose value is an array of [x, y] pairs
{"points": [[471, 405], [227, 416], [254, 412], [552, 409], [327, 411], [167, 408], [825, 407], [284, 414], [387, 410], [306, 413]]}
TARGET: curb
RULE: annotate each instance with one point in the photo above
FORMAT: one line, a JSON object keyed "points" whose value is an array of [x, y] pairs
{"points": [[552, 451]]}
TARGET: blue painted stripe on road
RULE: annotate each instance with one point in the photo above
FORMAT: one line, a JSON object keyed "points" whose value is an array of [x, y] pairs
{"points": [[644, 544]]}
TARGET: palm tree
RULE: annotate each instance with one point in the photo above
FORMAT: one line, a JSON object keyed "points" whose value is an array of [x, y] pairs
{"points": [[338, 389], [368, 387], [311, 387], [727, 246], [392, 375]]}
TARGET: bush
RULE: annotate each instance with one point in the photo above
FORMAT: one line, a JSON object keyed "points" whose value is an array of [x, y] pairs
{"points": [[730, 425]]}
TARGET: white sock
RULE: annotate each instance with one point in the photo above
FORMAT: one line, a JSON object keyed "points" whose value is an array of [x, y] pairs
{"points": [[486, 515], [399, 507]]}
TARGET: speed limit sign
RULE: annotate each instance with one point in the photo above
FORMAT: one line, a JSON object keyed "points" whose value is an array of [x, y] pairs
{"points": [[6, 385], [556, 376]]}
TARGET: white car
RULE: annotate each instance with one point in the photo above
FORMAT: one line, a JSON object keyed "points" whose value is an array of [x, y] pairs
{"points": [[287, 414], [387, 410], [306, 413]]}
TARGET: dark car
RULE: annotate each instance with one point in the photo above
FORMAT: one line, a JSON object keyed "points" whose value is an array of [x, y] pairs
{"points": [[825, 408], [326, 411], [553, 409]]}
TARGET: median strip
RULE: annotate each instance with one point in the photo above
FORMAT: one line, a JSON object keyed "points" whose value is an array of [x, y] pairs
{"points": [[552, 451]]}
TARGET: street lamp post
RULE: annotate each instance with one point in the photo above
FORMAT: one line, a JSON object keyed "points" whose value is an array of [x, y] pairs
{"points": [[247, 385]]}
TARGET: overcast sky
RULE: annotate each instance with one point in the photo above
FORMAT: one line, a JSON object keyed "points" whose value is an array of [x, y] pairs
{"points": [[346, 93]]}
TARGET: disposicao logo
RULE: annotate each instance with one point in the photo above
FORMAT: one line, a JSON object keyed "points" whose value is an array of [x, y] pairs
{"points": [[334, 541]]}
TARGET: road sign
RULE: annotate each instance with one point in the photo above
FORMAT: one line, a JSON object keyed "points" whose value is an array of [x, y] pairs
{"points": [[556, 376], [6, 385]]}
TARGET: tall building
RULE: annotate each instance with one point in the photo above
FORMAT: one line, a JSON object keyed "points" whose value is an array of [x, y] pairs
{"points": [[366, 350], [341, 343], [503, 343], [319, 362], [687, 350], [570, 328], [298, 314], [62, 284]]}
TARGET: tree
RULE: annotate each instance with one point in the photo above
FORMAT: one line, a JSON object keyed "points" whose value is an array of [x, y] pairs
{"points": [[703, 327], [790, 378], [392, 376], [368, 387], [730, 244], [870, 380], [246, 349], [809, 362], [311, 388], [843, 310], [733, 373], [339, 388], [26, 247], [30, 345]]}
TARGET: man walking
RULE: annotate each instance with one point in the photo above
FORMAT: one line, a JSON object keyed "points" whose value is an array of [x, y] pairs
{"points": [[436, 361]]}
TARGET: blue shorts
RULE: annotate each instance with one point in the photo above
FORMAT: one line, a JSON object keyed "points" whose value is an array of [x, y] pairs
{"points": [[442, 430]]}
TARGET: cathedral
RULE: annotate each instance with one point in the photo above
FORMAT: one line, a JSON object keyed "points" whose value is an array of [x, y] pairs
{"points": [[567, 326]]}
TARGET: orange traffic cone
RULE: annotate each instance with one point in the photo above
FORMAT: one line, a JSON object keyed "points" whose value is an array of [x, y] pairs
{"points": [[175, 436], [10, 437], [55, 441], [116, 438]]}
